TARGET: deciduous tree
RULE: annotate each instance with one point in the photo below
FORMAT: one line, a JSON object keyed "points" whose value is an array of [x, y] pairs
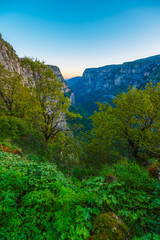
{"points": [[131, 125]]}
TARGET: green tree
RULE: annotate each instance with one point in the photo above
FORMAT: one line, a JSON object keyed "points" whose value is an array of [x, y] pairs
{"points": [[39, 101], [129, 127], [15, 97], [52, 104]]}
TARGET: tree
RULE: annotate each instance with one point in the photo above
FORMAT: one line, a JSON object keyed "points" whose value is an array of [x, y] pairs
{"points": [[53, 105], [131, 126], [14, 95], [40, 100]]}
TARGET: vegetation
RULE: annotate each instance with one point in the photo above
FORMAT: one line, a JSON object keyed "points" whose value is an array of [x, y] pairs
{"points": [[15, 98], [52, 105], [56, 180], [38, 202], [130, 128], [41, 102]]}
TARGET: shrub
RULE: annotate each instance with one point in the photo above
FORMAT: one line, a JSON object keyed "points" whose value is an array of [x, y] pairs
{"points": [[38, 202], [22, 133]]}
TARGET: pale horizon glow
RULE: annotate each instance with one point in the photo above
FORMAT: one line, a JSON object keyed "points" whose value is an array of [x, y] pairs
{"points": [[75, 35]]}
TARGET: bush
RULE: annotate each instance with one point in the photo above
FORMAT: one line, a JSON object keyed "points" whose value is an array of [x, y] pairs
{"points": [[149, 236], [22, 133], [38, 202], [134, 196], [82, 173]]}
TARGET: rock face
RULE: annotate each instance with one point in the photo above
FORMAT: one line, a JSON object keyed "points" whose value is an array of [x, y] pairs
{"points": [[66, 89], [108, 226], [12, 62], [104, 83], [8, 57]]}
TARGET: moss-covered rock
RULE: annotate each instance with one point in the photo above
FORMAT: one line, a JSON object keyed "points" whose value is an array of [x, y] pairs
{"points": [[109, 226], [154, 169], [110, 178]]}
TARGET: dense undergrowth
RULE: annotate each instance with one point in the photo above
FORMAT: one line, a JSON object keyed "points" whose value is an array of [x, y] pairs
{"points": [[39, 202]]}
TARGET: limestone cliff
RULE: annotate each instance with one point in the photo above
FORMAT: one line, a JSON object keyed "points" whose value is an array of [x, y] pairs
{"points": [[104, 83], [12, 62], [66, 89]]}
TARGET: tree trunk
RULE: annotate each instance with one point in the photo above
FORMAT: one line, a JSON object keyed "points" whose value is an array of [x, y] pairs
{"points": [[134, 148]]}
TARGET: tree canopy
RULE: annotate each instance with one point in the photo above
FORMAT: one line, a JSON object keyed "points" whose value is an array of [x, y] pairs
{"points": [[129, 127]]}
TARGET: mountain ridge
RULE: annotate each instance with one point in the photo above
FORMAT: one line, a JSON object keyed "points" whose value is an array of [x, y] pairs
{"points": [[102, 84]]}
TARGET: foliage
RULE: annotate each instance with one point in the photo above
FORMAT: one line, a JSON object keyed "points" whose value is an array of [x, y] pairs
{"points": [[79, 125], [22, 133], [149, 236], [129, 128], [15, 98], [82, 173], [40, 100], [134, 196], [38, 202], [53, 105], [35, 110], [65, 152]]}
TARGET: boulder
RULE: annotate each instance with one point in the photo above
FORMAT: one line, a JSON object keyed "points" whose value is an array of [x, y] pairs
{"points": [[108, 226], [154, 170]]}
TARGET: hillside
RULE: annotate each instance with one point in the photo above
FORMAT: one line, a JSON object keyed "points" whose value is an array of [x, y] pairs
{"points": [[104, 83]]}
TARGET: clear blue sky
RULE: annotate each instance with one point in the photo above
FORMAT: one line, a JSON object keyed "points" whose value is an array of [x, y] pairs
{"points": [[77, 34]]}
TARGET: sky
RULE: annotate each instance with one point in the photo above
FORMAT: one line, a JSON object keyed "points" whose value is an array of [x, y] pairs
{"points": [[79, 34]]}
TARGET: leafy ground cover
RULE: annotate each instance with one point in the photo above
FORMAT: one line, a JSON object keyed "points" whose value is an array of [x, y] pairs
{"points": [[38, 202]]}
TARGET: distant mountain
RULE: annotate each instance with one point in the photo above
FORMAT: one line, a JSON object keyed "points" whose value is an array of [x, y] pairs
{"points": [[104, 83], [72, 81]]}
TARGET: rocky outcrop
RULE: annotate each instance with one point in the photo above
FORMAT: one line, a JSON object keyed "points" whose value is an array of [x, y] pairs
{"points": [[8, 57], [12, 62], [104, 83]]}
